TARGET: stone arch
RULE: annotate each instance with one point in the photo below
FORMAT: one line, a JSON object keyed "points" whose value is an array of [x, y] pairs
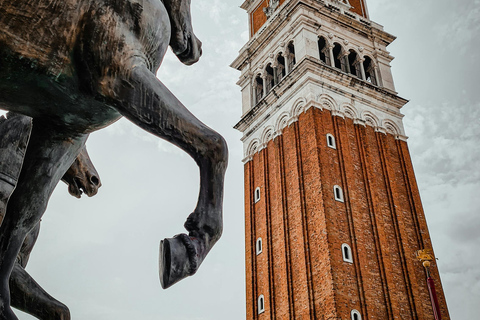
{"points": [[374, 63], [350, 111], [281, 65], [339, 58], [327, 102], [351, 47], [267, 134], [290, 55], [265, 64], [290, 42], [253, 148], [370, 119], [327, 38], [324, 44], [298, 107], [369, 67], [280, 51], [282, 122], [391, 127], [354, 59], [255, 75], [257, 88], [269, 76], [259, 70]]}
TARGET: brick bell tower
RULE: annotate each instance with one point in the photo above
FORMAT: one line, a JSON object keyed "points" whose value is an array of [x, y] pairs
{"points": [[334, 221]]}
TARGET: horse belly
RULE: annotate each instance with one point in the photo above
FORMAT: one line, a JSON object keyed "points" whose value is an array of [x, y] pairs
{"points": [[42, 30], [57, 99]]}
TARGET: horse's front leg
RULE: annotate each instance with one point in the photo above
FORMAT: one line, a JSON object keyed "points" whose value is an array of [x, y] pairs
{"points": [[48, 156], [144, 100]]}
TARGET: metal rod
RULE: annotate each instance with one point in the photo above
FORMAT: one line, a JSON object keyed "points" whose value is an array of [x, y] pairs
{"points": [[433, 297]]}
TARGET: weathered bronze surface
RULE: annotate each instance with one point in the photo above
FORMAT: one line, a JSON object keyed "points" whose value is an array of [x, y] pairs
{"points": [[82, 176], [74, 67]]}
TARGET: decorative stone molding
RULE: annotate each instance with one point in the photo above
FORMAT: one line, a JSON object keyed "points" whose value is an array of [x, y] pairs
{"points": [[370, 119], [267, 135], [390, 127], [288, 113], [282, 122], [342, 5], [381, 130], [272, 6]]}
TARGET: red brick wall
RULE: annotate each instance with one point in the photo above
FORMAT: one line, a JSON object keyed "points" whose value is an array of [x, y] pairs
{"points": [[301, 272], [358, 6], [258, 18]]}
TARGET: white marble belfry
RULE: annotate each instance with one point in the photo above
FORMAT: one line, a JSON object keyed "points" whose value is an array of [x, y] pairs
{"points": [[315, 54]]}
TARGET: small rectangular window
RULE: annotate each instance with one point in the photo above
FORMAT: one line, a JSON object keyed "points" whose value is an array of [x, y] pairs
{"points": [[347, 253], [259, 246], [331, 141], [261, 304], [338, 193], [356, 315], [256, 195]]}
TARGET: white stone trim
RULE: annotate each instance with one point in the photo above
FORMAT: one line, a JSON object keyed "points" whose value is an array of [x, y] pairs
{"points": [[261, 304], [338, 193], [331, 143], [259, 246], [348, 255], [288, 113], [256, 195], [355, 313]]}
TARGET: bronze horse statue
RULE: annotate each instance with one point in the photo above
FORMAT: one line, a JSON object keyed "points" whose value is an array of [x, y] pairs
{"points": [[82, 177], [76, 66]]}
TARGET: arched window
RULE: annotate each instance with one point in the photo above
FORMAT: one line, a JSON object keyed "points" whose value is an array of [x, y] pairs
{"points": [[369, 71], [347, 253], [353, 66], [356, 315], [291, 56], [331, 141], [269, 77], [323, 49], [259, 246], [281, 71], [256, 195], [261, 304], [338, 193], [258, 89], [339, 57]]}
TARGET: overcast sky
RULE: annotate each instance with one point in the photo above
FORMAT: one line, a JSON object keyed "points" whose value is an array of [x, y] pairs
{"points": [[100, 255]]}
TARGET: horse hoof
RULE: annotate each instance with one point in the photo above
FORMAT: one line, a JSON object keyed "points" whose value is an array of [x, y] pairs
{"points": [[178, 259]]}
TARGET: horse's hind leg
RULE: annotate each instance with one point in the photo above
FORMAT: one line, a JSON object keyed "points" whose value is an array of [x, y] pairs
{"points": [[48, 156], [144, 100], [28, 296]]}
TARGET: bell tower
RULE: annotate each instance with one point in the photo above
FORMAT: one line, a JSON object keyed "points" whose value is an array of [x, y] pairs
{"points": [[334, 221]]}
